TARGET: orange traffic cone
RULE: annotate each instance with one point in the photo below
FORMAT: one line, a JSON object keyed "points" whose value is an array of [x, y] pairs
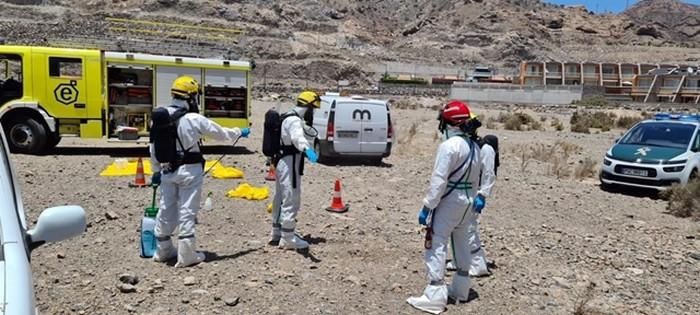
{"points": [[140, 180], [337, 202], [271, 174]]}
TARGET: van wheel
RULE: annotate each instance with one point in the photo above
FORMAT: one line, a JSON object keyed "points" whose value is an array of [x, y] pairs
{"points": [[317, 148], [693, 175], [25, 135]]}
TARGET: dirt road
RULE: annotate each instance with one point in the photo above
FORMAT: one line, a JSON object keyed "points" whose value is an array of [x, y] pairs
{"points": [[549, 237]]}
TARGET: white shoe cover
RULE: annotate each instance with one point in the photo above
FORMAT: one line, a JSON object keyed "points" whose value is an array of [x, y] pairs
{"points": [[186, 255], [459, 289], [165, 251], [275, 236], [433, 300], [292, 241], [479, 272], [478, 266]]}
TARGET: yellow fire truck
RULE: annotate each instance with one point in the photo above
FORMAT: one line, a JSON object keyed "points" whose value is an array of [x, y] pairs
{"points": [[47, 93]]}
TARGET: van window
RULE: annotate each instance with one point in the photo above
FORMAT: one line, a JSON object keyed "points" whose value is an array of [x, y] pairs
{"points": [[11, 87], [65, 67]]}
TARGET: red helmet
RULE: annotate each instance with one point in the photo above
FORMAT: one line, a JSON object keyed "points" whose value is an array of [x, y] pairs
{"points": [[455, 113]]}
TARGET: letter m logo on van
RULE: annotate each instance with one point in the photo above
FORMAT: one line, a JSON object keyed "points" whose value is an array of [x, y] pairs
{"points": [[362, 114]]}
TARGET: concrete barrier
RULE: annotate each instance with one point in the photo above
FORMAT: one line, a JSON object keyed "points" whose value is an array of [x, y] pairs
{"points": [[512, 93]]}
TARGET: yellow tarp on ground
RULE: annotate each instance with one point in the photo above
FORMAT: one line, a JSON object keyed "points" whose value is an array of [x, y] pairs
{"points": [[219, 170], [129, 169], [224, 172], [249, 192]]}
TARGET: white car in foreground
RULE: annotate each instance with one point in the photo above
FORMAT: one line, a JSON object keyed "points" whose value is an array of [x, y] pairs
{"points": [[54, 224], [655, 153]]}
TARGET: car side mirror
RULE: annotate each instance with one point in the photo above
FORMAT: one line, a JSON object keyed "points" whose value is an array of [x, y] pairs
{"points": [[617, 140], [57, 224]]}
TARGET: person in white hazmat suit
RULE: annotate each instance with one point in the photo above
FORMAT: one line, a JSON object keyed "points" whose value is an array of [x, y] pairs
{"points": [[489, 163], [294, 146], [445, 209], [181, 181]]}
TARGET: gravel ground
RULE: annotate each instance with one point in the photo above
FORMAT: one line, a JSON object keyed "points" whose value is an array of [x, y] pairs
{"points": [[549, 237]]}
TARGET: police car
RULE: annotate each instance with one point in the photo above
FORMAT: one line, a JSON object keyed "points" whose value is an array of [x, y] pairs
{"points": [[655, 153]]}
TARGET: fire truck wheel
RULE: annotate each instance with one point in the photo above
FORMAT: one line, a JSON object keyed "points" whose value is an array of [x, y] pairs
{"points": [[25, 135]]}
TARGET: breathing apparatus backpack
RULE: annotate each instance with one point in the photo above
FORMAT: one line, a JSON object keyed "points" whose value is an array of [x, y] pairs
{"points": [[492, 141], [272, 136], [165, 138]]}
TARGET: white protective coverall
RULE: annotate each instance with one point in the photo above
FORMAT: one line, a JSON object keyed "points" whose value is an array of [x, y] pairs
{"points": [[181, 190], [287, 200], [450, 219], [488, 179], [478, 266]]}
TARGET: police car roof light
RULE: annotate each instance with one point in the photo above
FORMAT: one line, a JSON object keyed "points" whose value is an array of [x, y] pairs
{"points": [[662, 116], [683, 117], [692, 117]]}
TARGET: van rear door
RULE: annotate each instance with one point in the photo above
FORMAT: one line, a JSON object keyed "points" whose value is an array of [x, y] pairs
{"points": [[374, 128], [348, 127]]}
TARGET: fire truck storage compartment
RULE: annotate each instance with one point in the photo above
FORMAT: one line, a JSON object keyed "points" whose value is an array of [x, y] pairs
{"points": [[225, 94], [130, 97]]}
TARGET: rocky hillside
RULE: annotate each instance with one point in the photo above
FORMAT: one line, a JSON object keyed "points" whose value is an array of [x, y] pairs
{"points": [[330, 39], [668, 19]]}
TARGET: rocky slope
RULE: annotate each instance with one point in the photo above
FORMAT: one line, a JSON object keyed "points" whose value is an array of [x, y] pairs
{"points": [[340, 39]]}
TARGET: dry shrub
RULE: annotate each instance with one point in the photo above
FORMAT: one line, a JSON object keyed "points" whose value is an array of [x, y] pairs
{"points": [[524, 160], [491, 123], [513, 123], [626, 122], [556, 123], [503, 117], [405, 104], [586, 169], [519, 122], [568, 148], [411, 134], [594, 101], [559, 166], [555, 156], [536, 125], [582, 121], [581, 304], [684, 201], [543, 118], [580, 128]]}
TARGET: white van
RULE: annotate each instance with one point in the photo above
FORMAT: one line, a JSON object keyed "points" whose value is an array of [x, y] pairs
{"points": [[353, 127]]}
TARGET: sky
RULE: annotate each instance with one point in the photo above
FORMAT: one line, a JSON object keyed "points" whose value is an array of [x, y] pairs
{"points": [[606, 5]]}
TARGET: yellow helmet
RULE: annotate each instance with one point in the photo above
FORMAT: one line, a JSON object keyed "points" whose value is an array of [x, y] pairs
{"points": [[309, 98], [185, 87]]}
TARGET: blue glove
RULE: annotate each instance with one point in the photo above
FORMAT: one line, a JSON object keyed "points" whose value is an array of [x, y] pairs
{"points": [[423, 216], [245, 132], [311, 155], [479, 203], [155, 179]]}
